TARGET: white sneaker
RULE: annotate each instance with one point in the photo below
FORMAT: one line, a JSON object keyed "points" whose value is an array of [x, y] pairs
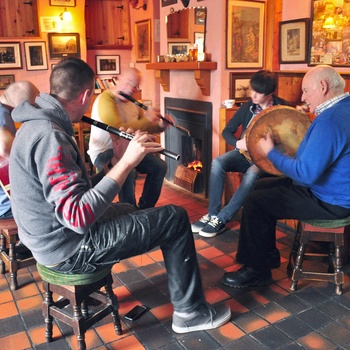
{"points": [[203, 221]]}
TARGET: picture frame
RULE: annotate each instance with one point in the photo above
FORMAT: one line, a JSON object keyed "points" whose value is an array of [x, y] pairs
{"points": [[143, 40], [198, 35], [330, 34], [294, 40], [245, 24], [10, 55], [239, 86], [50, 24], [36, 57], [179, 48], [6, 80], [63, 45], [107, 64], [168, 2], [200, 15], [63, 3]]}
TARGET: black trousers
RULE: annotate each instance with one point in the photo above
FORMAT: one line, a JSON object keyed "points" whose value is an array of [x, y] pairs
{"points": [[274, 199]]}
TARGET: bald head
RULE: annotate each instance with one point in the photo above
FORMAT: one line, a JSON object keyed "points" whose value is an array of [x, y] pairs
{"points": [[18, 92]]}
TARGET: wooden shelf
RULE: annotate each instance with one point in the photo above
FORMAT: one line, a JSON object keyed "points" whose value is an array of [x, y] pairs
{"points": [[201, 72]]}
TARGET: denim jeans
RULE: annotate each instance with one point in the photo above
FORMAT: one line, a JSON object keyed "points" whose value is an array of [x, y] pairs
{"points": [[232, 161], [151, 165], [124, 232], [228, 212]]}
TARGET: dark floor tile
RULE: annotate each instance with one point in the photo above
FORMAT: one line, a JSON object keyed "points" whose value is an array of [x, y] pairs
{"points": [[271, 338], [245, 343], [293, 304], [33, 319], [293, 327], [200, 340], [311, 295], [314, 318], [337, 333], [10, 325], [333, 309], [154, 337]]}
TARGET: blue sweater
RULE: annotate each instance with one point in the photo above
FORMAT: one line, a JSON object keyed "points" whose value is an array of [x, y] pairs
{"points": [[322, 162]]}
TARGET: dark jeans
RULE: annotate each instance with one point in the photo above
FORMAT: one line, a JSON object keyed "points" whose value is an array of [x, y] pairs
{"points": [[274, 199], [124, 233]]}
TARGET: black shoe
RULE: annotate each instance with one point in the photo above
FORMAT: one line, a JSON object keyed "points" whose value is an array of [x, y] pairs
{"points": [[274, 259], [246, 277]]}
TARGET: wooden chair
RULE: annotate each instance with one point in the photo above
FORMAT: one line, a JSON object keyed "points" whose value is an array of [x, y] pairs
{"points": [[10, 251], [76, 289], [334, 232]]}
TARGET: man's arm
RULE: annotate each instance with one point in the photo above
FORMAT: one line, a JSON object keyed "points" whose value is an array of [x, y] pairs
{"points": [[6, 139]]}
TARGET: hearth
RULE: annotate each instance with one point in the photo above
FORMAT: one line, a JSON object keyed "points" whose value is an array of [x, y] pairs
{"points": [[195, 116]]}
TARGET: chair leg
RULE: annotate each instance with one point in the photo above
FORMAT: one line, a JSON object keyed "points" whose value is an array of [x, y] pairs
{"points": [[293, 252], [13, 266], [2, 248], [84, 309], [79, 327], [338, 273], [297, 272], [113, 300], [48, 301]]}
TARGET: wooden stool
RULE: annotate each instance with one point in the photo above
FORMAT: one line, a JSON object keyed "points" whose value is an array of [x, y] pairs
{"points": [[76, 289], [335, 232], [9, 250]]}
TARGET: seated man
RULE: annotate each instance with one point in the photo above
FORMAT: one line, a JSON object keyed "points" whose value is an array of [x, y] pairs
{"points": [[14, 94], [67, 219], [262, 86], [317, 181], [116, 111]]}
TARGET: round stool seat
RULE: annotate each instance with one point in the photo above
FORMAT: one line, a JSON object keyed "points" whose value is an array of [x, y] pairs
{"points": [[329, 223], [59, 278]]}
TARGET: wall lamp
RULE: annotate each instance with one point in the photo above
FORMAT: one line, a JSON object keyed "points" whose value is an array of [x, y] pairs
{"points": [[66, 15], [134, 4]]}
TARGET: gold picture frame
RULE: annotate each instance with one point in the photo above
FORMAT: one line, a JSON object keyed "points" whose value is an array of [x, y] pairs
{"points": [[143, 40], [245, 34]]}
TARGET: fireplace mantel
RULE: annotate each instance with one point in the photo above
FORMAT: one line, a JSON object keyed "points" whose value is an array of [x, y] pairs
{"points": [[201, 71]]}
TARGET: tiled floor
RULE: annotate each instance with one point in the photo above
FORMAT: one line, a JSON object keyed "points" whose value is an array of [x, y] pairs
{"points": [[262, 318]]}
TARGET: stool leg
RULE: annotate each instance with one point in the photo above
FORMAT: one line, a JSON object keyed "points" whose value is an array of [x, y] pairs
{"points": [[13, 266], [297, 272], [113, 299], [84, 309], [2, 249], [79, 327], [48, 301], [338, 273], [293, 252]]}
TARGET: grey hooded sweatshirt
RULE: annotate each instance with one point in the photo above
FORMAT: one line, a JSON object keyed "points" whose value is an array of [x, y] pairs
{"points": [[53, 199]]}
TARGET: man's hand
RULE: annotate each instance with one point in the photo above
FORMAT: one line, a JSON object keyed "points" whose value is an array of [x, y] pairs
{"points": [[242, 144], [266, 144], [120, 144]]}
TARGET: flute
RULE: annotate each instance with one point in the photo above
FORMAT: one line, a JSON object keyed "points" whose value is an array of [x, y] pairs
{"points": [[141, 105], [124, 135]]}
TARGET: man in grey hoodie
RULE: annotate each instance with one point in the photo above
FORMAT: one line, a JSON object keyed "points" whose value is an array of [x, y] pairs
{"points": [[67, 219]]}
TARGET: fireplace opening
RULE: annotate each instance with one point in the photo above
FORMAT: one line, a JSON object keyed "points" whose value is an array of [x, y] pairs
{"points": [[192, 170]]}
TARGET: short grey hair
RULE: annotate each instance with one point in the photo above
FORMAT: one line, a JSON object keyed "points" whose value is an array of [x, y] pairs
{"points": [[18, 92], [334, 80]]}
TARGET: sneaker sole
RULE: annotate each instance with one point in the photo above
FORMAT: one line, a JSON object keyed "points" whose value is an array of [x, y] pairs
{"points": [[211, 234], [225, 318], [251, 284], [197, 229]]}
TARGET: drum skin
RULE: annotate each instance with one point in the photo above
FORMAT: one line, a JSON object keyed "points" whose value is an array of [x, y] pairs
{"points": [[287, 127]]}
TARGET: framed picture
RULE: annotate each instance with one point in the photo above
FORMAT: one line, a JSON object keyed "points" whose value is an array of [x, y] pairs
{"points": [[294, 41], [198, 35], [168, 2], [6, 80], [62, 3], [63, 45], [50, 24], [179, 48], [245, 34], [239, 86], [143, 40], [10, 55], [108, 64], [199, 15], [36, 57], [330, 33]]}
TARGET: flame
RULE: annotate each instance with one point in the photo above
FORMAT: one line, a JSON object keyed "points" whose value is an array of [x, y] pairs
{"points": [[196, 165]]}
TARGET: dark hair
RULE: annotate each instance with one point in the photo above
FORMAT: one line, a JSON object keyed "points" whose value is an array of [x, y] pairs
{"points": [[70, 77], [263, 82]]}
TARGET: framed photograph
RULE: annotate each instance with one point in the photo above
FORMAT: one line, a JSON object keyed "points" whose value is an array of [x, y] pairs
{"points": [[107, 64], [10, 55], [245, 34], [143, 40], [330, 33], [62, 3], [199, 15], [179, 48], [6, 80], [168, 2], [239, 86], [63, 45], [36, 57], [50, 24], [294, 41], [198, 35]]}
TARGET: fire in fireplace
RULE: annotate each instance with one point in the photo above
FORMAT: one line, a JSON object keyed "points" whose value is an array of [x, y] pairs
{"points": [[192, 170]]}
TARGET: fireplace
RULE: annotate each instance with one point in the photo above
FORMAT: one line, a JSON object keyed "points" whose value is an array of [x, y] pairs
{"points": [[195, 116]]}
